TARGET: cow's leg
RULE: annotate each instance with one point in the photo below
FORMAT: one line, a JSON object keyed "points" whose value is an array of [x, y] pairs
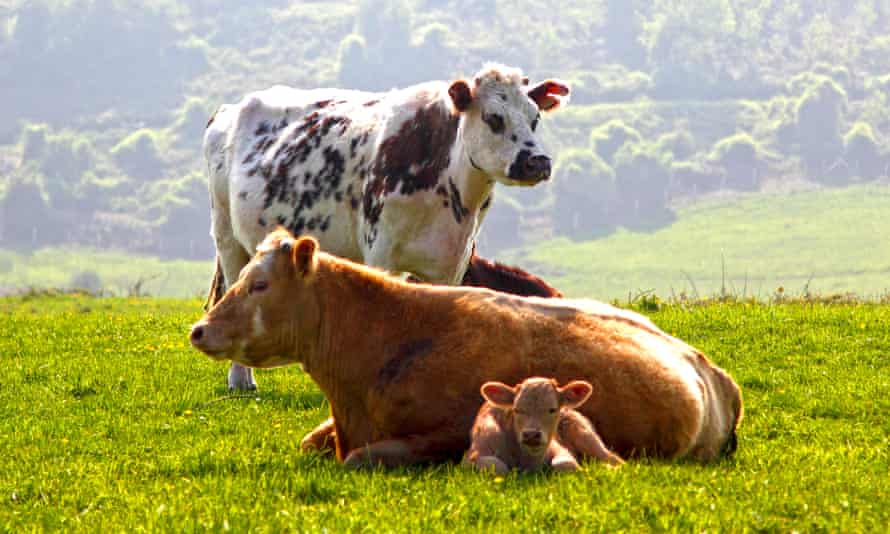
{"points": [[490, 463], [578, 435], [322, 439], [399, 452], [232, 258], [561, 459]]}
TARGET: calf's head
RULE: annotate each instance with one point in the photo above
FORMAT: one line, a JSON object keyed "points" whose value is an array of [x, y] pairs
{"points": [[501, 115], [535, 405], [265, 316]]}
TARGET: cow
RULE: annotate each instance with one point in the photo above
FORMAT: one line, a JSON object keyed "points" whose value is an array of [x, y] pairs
{"points": [[401, 364], [507, 278], [398, 180], [534, 425]]}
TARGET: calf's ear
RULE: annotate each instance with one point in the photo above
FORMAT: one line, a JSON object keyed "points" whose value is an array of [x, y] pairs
{"points": [[549, 95], [461, 95], [574, 394], [499, 394], [303, 255]]}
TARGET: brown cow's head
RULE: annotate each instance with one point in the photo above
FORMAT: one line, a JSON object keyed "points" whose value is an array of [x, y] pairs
{"points": [[535, 404], [264, 317], [502, 114]]}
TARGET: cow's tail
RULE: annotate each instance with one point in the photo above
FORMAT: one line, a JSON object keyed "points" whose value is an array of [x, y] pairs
{"points": [[217, 286]]}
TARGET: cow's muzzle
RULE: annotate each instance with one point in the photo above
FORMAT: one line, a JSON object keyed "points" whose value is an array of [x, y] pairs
{"points": [[530, 169], [202, 339]]}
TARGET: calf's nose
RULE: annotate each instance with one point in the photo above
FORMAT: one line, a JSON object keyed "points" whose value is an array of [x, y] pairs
{"points": [[532, 438]]}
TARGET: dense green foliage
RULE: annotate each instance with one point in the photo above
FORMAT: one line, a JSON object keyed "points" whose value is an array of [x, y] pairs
{"points": [[109, 422], [100, 130]]}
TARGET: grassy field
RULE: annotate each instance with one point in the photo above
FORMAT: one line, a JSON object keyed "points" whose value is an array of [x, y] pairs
{"points": [[825, 241], [110, 422]]}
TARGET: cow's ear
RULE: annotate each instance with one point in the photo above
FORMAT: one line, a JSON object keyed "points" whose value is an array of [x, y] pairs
{"points": [[461, 95], [304, 256], [574, 394], [499, 394], [549, 95]]}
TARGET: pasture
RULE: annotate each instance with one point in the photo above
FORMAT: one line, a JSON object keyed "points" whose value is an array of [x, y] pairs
{"points": [[109, 421]]}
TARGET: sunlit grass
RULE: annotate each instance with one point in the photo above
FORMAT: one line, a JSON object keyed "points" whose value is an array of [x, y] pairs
{"points": [[110, 421]]}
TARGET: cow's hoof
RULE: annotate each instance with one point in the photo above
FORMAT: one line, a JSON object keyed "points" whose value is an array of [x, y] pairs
{"points": [[241, 379], [565, 466]]}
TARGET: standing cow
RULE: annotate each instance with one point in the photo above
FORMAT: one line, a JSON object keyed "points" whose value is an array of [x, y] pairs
{"points": [[397, 180]]}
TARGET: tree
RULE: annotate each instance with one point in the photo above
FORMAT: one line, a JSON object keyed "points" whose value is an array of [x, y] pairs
{"points": [[584, 187]]}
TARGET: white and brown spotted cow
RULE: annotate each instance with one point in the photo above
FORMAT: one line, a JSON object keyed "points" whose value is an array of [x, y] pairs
{"points": [[397, 180], [401, 364]]}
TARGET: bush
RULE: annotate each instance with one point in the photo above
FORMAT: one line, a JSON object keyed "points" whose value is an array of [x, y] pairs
{"points": [[609, 138], [642, 180], [501, 228], [584, 186], [676, 145], [739, 156], [87, 281], [817, 116], [138, 155], [862, 152], [25, 219], [695, 178]]}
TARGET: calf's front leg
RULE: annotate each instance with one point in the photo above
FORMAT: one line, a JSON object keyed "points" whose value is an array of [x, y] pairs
{"points": [[577, 434], [322, 440], [561, 459]]}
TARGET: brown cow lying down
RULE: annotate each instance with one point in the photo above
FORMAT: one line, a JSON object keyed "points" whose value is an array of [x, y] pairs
{"points": [[534, 425], [401, 364]]}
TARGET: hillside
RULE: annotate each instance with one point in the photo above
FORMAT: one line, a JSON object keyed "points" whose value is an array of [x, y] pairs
{"points": [[827, 241], [105, 102]]}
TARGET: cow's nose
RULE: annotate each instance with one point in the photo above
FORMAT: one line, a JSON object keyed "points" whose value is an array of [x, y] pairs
{"points": [[538, 167], [532, 438], [197, 334]]}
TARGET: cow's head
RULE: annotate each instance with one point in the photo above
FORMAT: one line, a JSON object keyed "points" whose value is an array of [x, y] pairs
{"points": [[502, 113], [535, 404], [268, 314]]}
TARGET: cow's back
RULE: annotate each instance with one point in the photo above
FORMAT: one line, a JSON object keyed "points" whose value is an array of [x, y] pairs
{"points": [[289, 157], [647, 397]]}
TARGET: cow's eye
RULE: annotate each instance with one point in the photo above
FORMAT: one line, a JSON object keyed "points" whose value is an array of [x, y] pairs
{"points": [[259, 286], [535, 122], [494, 121]]}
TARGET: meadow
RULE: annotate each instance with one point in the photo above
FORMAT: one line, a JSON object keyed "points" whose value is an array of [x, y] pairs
{"points": [[109, 421]]}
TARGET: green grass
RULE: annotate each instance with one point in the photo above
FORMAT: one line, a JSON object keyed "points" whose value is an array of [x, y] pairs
{"points": [[826, 241], [110, 422]]}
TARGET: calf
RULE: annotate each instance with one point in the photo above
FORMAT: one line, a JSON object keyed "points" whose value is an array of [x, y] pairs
{"points": [[401, 364], [399, 180], [534, 425]]}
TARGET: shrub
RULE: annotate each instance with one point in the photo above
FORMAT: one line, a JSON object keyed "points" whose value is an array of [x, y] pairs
{"points": [[87, 281], [676, 145], [862, 152], [740, 158], [138, 155], [695, 178], [642, 180], [584, 186], [608, 139], [818, 116]]}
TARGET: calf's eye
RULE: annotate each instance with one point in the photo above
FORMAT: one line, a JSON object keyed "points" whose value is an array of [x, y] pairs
{"points": [[259, 286], [494, 121]]}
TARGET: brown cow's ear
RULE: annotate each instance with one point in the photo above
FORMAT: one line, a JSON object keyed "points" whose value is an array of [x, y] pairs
{"points": [[461, 95], [574, 394], [499, 394], [549, 95], [304, 256]]}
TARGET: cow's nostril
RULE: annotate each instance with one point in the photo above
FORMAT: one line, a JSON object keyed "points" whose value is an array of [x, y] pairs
{"points": [[197, 334], [532, 437], [538, 165]]}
